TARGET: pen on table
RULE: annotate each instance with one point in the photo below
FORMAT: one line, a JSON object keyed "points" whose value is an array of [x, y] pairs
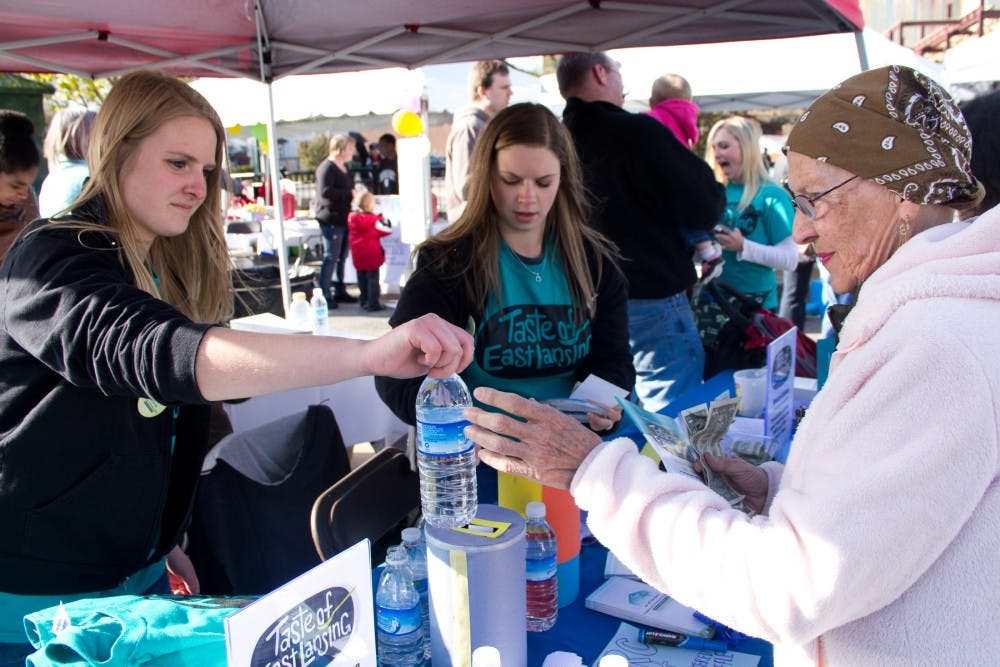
{"points": [[667, 638]]}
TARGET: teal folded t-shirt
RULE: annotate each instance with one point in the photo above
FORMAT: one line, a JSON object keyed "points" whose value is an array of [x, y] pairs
{"points": [[166, 631]]}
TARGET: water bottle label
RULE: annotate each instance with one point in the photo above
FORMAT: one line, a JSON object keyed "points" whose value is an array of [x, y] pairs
{"points": [[397, 621], [442, 439], [540, 569]]}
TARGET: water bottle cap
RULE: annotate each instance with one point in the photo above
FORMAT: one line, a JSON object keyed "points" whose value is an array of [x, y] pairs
{"points": [[317, 290], [535, 510], [396, 555], [296, 296], [613, 660], [411, 535], [486, 656]]}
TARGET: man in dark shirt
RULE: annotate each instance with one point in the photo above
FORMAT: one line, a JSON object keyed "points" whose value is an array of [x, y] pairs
{"points": [[387, 172], [646, 186]]}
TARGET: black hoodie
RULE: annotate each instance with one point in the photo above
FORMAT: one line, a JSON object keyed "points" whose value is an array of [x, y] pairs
{"points": [[92, 486]]}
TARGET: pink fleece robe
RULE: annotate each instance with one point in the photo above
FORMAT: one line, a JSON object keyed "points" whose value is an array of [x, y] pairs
{"points": [[680, 117], [881, 541]]}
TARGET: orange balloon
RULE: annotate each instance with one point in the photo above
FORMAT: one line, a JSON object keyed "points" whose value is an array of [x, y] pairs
{"points": [[407, 123]]}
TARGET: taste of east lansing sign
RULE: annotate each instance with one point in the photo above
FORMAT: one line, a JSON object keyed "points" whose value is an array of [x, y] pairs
{"points": [[323, 617]]}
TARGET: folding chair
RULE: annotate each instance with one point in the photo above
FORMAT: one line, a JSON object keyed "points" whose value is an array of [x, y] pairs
{"points": [[376, 500]]}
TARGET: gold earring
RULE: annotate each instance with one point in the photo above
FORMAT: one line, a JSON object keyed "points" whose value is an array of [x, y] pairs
{"points": [[904, 231]]}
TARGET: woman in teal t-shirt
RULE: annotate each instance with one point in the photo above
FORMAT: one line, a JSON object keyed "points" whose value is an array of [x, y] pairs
{"points": [[522, 270], [756, 230]]}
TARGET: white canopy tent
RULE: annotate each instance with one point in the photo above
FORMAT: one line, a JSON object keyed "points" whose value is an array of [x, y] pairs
{"points": [[764, 74], [974, 61], [270, 39]]}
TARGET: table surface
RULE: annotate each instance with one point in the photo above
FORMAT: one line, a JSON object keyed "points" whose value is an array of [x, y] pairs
{"points": [[585, 632]]}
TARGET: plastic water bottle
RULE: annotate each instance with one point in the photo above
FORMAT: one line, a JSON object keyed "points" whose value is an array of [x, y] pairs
{"points": [[398, 627], [416, 551], [320, 312], [446, 459], [299, 313], [540, 570]]}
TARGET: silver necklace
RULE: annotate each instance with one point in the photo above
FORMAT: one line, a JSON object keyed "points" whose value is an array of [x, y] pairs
{"points": [[541, 265]]}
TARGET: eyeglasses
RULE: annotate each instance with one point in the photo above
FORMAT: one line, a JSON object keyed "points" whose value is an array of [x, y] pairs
{"points": [[806, 204]]}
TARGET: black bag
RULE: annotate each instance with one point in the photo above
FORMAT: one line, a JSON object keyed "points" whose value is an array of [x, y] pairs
{"points": [[742, 341]]}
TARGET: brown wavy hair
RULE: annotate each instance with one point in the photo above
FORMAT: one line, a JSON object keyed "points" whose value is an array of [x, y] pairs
{"points": [[191, 269], [566, 224]]}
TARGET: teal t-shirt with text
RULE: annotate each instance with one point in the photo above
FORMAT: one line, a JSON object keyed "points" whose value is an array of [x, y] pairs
{"points": [[527, 341], [766, 220]]}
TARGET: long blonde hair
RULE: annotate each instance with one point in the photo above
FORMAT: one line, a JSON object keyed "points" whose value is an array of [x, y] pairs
{"points": [[191, 269], [566, 224], [753, 172]]}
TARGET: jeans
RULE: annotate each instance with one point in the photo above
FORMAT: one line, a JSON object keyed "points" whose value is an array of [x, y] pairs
{"points": [[368, 283], [335, 249], [666, 349], [693, 237]]}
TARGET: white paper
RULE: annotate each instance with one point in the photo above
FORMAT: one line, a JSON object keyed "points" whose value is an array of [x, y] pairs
{"points": [[615, 568], [626, 642], [325, 615], [598, 390]]}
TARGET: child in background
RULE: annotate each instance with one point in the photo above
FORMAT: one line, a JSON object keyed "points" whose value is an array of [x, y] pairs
{"points": [[365, 228], [19, 160], [670, 103]]}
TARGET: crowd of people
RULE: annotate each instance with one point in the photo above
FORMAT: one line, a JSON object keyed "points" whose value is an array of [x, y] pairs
{"points": [[567, 254]]}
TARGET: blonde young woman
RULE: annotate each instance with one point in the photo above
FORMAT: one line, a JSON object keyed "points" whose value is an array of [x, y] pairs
{"points": [[109, 352], [523, 271], [756, 230]]}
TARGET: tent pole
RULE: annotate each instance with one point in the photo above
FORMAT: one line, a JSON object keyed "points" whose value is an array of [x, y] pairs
{"points": [[859, 38], [279, 213], [266, 78]]}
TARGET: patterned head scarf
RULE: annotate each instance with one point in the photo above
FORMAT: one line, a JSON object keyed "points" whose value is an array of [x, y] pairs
{"points": [[897, 128]]}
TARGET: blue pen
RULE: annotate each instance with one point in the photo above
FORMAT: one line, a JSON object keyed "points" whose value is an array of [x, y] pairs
{"points": [[678, 640]]}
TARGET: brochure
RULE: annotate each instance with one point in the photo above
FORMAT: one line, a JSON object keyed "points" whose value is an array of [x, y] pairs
{"points": [[639, 602]]}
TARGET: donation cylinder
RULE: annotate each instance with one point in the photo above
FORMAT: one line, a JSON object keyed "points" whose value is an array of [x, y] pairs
{"points": [[476, 580]]}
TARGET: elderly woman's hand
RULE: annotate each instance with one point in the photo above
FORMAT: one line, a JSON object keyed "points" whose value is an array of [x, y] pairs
{"points": [[744, 477], [548, 446]]}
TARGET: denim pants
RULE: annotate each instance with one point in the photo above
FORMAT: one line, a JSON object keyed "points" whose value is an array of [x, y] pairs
{"points": [[335, 249], [368, 283], [666, 349]]}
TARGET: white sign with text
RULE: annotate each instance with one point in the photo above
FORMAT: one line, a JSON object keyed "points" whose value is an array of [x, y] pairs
{"points": [[324, 616]]}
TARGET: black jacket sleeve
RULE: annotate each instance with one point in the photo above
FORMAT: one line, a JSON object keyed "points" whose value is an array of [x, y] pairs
{"points": [[610, 356], [66, 299], [688, 184], [429, 290]]}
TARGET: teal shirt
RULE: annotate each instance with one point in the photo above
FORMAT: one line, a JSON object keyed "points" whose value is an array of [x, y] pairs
{"points": [[530, 346], [766, 220], [13, 608]]}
